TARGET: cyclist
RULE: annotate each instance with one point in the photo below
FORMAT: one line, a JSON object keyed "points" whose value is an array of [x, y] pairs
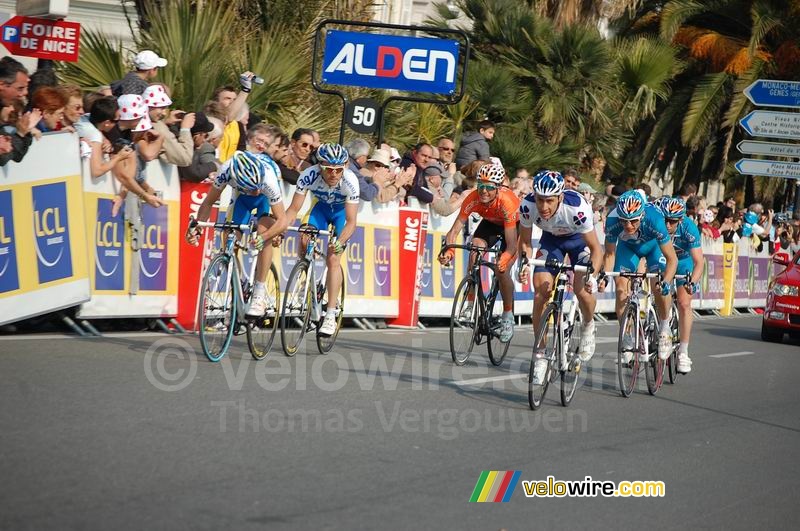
{"points": [[565, 218], [255, 179], [499, 208], [686, 240], [636, 229], [335, 192]]}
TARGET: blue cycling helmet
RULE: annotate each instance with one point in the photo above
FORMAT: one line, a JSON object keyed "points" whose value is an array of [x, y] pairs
{"points": [[630, 205], [548, 183], [332, 155], [672, 207], [246, 170]]}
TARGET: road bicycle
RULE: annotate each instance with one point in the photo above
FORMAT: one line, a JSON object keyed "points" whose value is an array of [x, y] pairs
{"points": [[638, 332], [226, 291], [474, 317], [306, 298], [557, 339]]}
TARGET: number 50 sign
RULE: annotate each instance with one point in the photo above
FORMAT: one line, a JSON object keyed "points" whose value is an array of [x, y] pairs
{"points": [[362, 115]]}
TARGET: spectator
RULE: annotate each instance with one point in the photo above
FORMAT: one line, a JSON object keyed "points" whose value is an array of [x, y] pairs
{"points": [[358, 149], [379, 167], [94, 146], [280, 156], [300, 148], [586, 190], [13, 81], [43, 77], [73, 110], [177, 150], [475, 145], [706, 227], [442, 204], [571, 180], [686, 191], [232, 109], [447, 154], [730, 202], [644, 187], [51, 102], [613, 193], [16, 127], [691, 208], [204, 159], [136, 82], [420, 157], [726, 225]]}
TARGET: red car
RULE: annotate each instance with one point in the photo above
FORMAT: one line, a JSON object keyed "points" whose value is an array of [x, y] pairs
{"points": [[782, 312]]}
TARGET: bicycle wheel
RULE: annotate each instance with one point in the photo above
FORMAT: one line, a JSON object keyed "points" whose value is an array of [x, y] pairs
{"points": [[463, 321], [296, 308], [672, 362], [261, 331], [218, 308], [547, 340], [497, 349], [569, 377], [325, 344], [627, 371], [654, 372]]}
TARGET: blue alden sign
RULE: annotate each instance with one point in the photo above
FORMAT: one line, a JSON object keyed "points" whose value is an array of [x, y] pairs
{"points": [[391, 62], [774, 93]]}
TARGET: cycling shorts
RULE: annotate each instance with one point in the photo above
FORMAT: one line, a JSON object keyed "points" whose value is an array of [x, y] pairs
{"points": [[685, 267], [491, 233], [322, 215], [245, 204], [629, 255], [558, 247]]}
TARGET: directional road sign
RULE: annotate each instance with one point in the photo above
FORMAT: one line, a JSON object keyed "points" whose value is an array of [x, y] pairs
{"points": [[772, 124], [753, 147], [770, 168], [774, 93]]}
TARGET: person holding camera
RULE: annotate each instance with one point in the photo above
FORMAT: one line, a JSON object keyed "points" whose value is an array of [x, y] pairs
{"points": [[233, 105]]}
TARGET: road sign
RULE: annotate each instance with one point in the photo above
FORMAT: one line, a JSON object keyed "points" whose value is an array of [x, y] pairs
{"points": [[362, 115], [772, 124], [774, 93], [769, 168], [752, 147], [56, 40]]}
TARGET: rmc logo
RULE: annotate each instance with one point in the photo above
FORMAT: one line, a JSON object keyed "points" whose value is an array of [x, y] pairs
{"points": [[390, 62]]}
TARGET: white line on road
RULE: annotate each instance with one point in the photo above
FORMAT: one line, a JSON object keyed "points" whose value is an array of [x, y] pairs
{"points": [[478, 381], [731, 354]]}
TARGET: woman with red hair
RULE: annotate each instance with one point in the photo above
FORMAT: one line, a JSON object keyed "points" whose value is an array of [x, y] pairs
{"points": [[51, 102]]}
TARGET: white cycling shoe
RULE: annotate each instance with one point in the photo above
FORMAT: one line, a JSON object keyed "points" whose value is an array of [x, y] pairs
{"points": [[506, 330], [258, 306], [539, 370], [466, 311], [328, 327], [587, 344], [684, 363], [664, 345]]}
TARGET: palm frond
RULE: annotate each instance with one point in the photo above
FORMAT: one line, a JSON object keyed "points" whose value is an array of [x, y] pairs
{"points": [[101, 61], [675, 14], [707, 101]]}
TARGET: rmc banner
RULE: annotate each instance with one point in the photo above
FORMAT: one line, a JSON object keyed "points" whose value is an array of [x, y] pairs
{"points": [[413, 64]]}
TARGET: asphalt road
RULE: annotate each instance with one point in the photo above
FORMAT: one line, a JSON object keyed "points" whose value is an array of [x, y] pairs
{"points": [[141, 432]]}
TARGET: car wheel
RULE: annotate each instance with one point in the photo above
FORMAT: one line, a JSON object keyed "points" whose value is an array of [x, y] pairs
{"points": [[773, 335]]}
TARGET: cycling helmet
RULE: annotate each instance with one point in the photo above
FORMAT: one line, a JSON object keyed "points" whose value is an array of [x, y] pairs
{"points": [[246, 170], [630, 205], [493, 173], [672, 207], [548, 183], [332, 155]]}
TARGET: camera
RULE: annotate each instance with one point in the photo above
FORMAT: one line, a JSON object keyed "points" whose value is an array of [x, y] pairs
{"points": [[120, 144]]}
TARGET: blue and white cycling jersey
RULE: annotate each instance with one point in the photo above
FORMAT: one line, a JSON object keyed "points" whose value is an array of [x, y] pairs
{"points": [[574, 215], [652, 227], [686, 238], [269, 185], [345, 191]]}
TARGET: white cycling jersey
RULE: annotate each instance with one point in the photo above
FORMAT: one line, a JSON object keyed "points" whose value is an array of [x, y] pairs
{"points": [[269, 185], [345, 191], [574, 215]]}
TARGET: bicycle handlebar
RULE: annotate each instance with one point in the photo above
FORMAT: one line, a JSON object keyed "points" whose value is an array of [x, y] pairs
{"points": [[626, 274], [560, 265], [309, 229], [469, 247], [223, 226]]}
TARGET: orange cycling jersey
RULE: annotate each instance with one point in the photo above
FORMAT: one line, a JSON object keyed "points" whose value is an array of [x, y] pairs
{"points": [[504, 210]]}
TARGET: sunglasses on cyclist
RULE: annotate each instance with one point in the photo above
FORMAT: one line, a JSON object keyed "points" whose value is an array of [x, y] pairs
{"points": [[631, 221], [333, 169], [487, 187], [672, 221]]}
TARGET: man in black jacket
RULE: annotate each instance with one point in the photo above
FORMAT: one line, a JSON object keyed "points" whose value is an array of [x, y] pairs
{"points": [[421, 157]]}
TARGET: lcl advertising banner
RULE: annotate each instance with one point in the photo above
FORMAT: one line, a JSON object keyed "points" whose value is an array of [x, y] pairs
{"points": [[43, 266]]}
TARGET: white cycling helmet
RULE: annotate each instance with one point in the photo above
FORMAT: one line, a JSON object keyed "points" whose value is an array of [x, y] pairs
{"points": [[548, 183], [492, 173]]}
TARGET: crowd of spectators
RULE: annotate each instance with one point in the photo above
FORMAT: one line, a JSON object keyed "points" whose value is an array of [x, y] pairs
{"points": [[131, 122]]}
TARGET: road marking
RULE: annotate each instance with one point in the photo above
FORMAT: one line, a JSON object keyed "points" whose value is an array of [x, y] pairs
{"points": [[731, 355], [478, 381]]}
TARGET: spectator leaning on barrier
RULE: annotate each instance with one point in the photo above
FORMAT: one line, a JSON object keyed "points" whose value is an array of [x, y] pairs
{"points": [[74, 107], [51, 102], [146, 63], [204, 158], [475, 145], [174, 150], [379, 165], [91, 128], [447, 155], [358, 149], [14, 81], [16, 127], [420, 157], [301, 146]]}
